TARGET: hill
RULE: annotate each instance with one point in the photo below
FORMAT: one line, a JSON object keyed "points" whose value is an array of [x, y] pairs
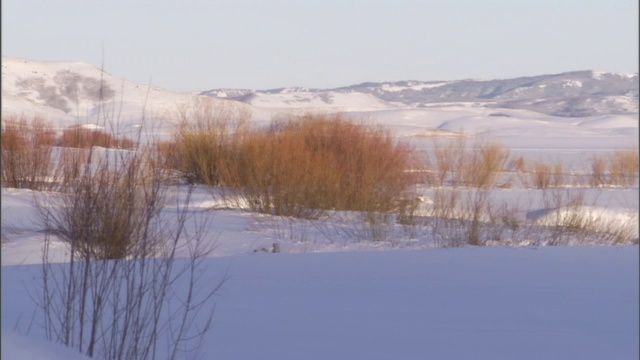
{"points": [[571, 94], [68, 91]]}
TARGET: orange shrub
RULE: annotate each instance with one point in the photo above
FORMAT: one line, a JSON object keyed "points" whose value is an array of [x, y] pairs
{"points": [[26, 152], [303, 165], [79, 137]]}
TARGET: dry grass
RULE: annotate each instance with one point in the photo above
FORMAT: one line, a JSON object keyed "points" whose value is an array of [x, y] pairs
{"points": [[26, 152]]}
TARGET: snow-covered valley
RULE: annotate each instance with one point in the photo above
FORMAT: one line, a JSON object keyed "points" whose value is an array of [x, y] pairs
{"points": [[336, 288]]}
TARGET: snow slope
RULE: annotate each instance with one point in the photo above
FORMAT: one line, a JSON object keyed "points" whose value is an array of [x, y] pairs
{"points": [[69, 93]]}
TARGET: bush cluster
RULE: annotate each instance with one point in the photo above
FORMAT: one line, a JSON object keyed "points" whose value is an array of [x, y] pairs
{"points": [[26, 152], [35, 157], [619, 168], [298, 166], [458, 163], [205, 145], [79, 137], [106, 214], [318, 162]]}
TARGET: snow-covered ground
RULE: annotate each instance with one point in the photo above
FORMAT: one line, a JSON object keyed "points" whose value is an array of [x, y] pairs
{"points": [[455, 303], [332, 294]]}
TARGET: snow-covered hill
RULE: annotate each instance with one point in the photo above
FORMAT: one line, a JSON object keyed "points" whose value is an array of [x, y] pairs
{"points": [[572, 94], [68, 93]]}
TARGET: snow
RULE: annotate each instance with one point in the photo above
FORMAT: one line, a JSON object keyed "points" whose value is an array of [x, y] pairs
{"points": [[610, 122], [600, 74], [333, 294], [572, 83], [17, 346], [458, 303], [318, 101], [418, 87], [447, 303]]}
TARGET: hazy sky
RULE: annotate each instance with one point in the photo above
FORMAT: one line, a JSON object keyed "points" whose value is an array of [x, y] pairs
{"points": [[194, 45]]}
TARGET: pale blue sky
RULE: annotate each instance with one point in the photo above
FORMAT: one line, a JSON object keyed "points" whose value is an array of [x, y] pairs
{"points": [[193, 45]]}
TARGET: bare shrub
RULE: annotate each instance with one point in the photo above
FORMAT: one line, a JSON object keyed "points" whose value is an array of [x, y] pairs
{"points": [[301, 166], [598, 171], [476, 210], [204, 146], [517, 164], [69, 165], [572, 220], [408, 210], [108, 197], [141, 307], [105, 214], [464, 175], [543, 175], [624, 167], [80, 137], [487, 161], [26, 152], [442, 215], [378, 227], [445, 161], [555, 198], [123, 294], [477, 165], [279, 177], [462, 216], [619, 168], [504, 223], [111, 300]]}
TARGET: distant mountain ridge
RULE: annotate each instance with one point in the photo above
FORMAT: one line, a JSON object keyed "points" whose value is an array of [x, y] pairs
{"points": [[570, 94], [66, 90]]}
